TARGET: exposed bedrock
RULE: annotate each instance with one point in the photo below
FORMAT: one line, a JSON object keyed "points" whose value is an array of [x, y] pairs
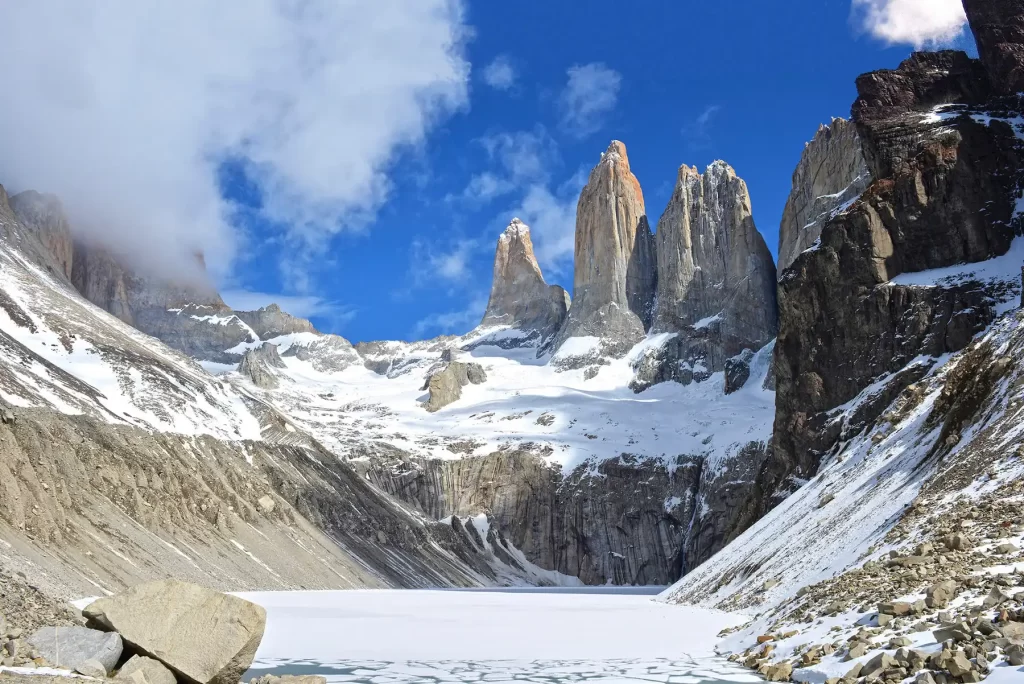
{"points": [[625, 520], [716, 280], [944, 190], [519, 296], [831, 173], [615, 265]]}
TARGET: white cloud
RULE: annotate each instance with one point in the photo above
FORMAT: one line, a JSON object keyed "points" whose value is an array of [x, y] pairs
{"points": [[697, 133], [126, 111], [433, 264], [589, 95], [521, 157], [551, 215], [452, 322], [920, 23], [297, 305], [500, 74]]}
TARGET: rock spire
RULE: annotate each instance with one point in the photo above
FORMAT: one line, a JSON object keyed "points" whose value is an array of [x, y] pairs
{"points": [[520, 298]]}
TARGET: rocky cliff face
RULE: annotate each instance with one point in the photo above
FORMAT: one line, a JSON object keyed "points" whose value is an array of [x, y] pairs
{"points": [[519, 296], [831, 173], [947, 172], [615, 265], [45, 215], [716, 279], [626, 520], [998, 27]]}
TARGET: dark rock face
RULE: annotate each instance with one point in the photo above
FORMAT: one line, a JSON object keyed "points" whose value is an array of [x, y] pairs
{"points": [[616, 270], [737, 371], [998, 27], [626, 520], [944, 193], [623, 521], [519, 296]]}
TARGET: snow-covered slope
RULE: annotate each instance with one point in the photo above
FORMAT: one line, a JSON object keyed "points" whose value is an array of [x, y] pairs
{"points": [[59, 351], [525, 401]]}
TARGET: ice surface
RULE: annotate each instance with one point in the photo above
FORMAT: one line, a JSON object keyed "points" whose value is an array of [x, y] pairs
{"points": [[463, 636]]}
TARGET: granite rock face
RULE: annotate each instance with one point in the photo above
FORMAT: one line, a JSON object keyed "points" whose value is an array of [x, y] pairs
{"points": [[615, 265], [831, 173], [944, 192], [519, 296], [624, 521], [258, 364], [45, 215], [716, 280], [998, 27], [445, 386]]}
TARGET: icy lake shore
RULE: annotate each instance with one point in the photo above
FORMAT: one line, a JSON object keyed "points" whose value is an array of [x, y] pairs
{"points": [[492, 636]]}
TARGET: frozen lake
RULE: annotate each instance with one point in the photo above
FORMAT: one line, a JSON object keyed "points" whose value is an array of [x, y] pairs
{"points": [[393, 637]]}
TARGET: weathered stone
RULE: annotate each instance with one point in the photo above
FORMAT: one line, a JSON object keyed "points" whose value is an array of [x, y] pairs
{"points": [[92, 668], [876, 665], [897, 608], [857, 650], [69, 647], [716, 276], [831, 173], [1007, 548], [204, 636], [519, 296], [257, 365], [616, 271], [737, 371], [445, 386], [958, 665], [998, 27], [143, 670], [995, 597], [939, 595], [780, 672]]}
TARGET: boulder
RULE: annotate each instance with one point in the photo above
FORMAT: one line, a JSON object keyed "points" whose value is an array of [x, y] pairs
{"points": [[445, 386], [939, 595], [70, 647], [205, 636], [143, 670], [881, 662], [780, 672], [92, 668], [896, 608]]}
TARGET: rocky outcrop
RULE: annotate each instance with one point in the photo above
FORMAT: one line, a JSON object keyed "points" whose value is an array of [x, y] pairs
{"points": [[271, 321], [945, 183], [205, 636], [998, 27], [45, 215], [616, 270], [831, 173], [716, 280], [626, 520], [519, 296], [445, 386], [257, 365]]}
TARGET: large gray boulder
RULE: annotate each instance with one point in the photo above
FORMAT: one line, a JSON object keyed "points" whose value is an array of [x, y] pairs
{"points": [[832, 172], [445, 386], [143, 670], [205, 636], [616, 270], [520, 298], [71, 647]]}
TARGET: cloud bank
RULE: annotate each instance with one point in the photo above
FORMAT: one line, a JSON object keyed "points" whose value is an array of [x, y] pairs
{"points": [[921, 23], [127, 112]]}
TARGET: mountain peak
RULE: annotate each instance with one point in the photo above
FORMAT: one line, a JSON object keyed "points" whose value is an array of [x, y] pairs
{"points": [[519, 295]]}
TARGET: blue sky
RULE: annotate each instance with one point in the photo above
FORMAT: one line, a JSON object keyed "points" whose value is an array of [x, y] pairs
{"points": [[357, 161]]}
